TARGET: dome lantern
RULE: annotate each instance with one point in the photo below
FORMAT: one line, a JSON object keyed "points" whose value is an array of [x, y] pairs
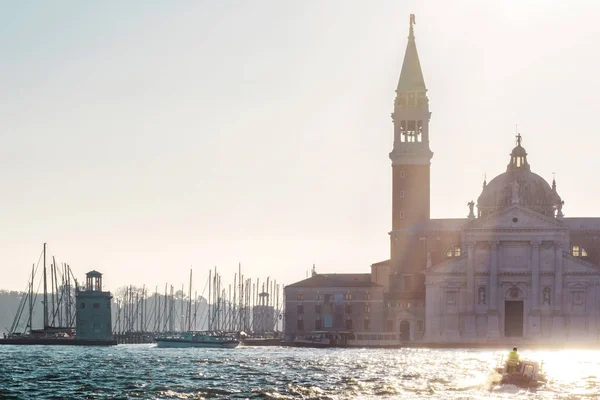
{"points": [[518, 157]]}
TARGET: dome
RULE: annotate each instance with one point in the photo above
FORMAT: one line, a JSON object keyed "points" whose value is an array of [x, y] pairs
{"points": [[518, 185]]}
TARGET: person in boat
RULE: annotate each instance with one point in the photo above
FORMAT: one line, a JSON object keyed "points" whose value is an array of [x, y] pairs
{"points": [[512, 362]]}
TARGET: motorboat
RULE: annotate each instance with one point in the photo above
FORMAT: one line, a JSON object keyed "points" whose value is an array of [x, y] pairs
{"points": [[206, 339], [525, 374]]}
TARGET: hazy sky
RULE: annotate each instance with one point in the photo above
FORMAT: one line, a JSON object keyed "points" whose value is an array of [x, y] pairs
{"points": [[140, 138]]}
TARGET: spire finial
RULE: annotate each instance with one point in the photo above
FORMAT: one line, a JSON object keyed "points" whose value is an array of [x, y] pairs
{"points": [[484, 179], [411, 32], [554, 181]]}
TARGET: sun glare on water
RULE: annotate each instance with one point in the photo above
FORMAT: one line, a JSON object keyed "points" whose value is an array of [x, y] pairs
{"points": [[575, 369]]}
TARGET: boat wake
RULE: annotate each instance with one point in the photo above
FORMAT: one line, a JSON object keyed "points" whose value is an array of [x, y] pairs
{"points": [[493, 379]]}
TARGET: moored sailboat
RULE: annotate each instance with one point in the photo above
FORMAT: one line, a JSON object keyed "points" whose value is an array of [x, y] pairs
{"points": [[58, 307], [207, 339], [59, 311]]}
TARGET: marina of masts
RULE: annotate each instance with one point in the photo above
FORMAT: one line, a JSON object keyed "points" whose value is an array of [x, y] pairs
{"points": [[246, 305], [57, 299]]}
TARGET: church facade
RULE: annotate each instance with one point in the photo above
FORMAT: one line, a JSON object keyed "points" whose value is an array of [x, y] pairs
{"points": [[514, 267]]}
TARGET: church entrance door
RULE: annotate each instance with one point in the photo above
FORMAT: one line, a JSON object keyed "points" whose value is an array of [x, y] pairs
{"points": [[513, 318], [405, 331]]}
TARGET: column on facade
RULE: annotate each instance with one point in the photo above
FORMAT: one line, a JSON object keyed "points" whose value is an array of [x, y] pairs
{"points": [[590, 312], [433, 293], [470, 292], [535, 275], [558, 277], [493, 327], [470, 300], [558, 323], [595, 289], [493, 285]]}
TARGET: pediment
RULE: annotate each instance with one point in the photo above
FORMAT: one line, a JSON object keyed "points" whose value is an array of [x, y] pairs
{"points": [[577, 266], [516, 217], [451, 266]]}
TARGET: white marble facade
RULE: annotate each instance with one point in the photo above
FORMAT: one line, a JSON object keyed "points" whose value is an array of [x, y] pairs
{"points": [[514, 258]]}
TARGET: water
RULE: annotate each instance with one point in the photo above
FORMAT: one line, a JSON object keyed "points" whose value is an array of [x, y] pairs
{"points": [[147, 372]]}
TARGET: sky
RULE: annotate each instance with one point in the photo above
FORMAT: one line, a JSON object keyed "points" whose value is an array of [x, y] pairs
{"points": [[145, 138]]}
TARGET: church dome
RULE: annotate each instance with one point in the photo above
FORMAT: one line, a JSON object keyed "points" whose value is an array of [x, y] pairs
{"points": [[518, 185]]}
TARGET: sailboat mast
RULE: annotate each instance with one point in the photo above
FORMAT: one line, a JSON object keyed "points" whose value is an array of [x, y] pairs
{"points": [[68, 294], [240, 327], [209, 302], [189, 318], [54, 285], [45, 292], [31, 298]]}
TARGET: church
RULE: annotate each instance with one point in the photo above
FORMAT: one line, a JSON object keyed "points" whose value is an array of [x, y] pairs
{"points": [[515, 267]]}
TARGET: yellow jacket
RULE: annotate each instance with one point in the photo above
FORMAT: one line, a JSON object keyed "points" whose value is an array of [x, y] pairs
{"points": [[513, 356]]}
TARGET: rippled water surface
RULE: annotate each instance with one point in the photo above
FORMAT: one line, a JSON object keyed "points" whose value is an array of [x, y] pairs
{"points": [[147, 372]]}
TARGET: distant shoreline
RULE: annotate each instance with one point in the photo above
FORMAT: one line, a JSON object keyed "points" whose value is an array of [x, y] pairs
{"points": [[522, 345]]}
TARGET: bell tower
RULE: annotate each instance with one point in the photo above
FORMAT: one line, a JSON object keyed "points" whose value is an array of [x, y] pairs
{"points": [[411, 156]]}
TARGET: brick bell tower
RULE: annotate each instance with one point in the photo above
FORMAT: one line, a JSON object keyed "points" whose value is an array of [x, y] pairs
{"points": [[411, 156]]}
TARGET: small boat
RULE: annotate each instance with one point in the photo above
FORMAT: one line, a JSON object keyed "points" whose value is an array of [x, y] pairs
{"points": [[321, 339], [207, 339], [527, 374], [269, 339]]}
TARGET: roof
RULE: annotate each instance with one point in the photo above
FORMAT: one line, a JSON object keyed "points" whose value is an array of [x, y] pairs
{"points": [[437, 225], [381, 263], [582, 223], [336, 280], [411, 76]]}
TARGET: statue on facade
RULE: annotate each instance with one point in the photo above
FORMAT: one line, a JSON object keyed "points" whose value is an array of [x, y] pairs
{"points": [[515, 192], [481, 295], [559, 207], [546, 294], [471, 204], [428, 264]]}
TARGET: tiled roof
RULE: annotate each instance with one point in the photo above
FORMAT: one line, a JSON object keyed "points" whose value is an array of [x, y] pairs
{"points": [[336, 280]]}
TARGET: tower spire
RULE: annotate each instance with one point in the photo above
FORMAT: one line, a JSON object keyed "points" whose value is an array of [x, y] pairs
{"points": [[411, 77]]}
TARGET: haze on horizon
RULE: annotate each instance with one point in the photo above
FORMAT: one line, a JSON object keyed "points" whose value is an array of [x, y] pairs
{"points": [[140, 139]]}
